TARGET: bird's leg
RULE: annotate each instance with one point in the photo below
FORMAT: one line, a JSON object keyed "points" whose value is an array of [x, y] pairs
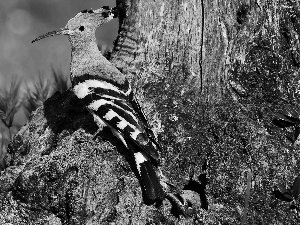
{"points": [[100, 125], [180, 203], [97, 132]]}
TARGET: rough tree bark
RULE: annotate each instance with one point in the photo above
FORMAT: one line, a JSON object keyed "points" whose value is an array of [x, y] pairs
{"points": [[209, 76]]}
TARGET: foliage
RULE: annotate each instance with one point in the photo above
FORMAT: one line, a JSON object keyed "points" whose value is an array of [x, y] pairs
{"points": [[288, 117], [289, 194], [60, 81], [36, 95], [11, 101]]}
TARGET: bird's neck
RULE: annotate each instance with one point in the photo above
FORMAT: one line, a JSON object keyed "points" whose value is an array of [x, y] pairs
{"points": [[87, 59]]}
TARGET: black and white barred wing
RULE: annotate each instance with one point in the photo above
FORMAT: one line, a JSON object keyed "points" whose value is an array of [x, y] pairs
{"points": [[110, 103]]}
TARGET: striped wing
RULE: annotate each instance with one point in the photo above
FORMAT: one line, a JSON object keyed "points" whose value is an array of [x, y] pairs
{"points": [[112, 103]]}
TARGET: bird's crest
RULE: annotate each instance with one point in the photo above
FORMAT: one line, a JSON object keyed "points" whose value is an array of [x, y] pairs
{"points": [[86, 20], [92, 17]]}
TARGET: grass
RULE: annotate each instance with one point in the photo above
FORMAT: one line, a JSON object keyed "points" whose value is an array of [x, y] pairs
{"points": [[12, 101]]}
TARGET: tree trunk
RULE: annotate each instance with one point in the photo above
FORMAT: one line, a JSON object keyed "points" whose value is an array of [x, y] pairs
{"points": [[210, 76]]}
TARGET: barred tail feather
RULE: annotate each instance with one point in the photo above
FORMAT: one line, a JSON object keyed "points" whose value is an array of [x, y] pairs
{"points": [[150, 184]]}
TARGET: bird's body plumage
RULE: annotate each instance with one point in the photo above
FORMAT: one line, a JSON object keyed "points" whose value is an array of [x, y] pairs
{"points": [[107, 95]]}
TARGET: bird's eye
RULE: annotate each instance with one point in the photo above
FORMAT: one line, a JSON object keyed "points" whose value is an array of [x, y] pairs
{"points": [[81, 28]]}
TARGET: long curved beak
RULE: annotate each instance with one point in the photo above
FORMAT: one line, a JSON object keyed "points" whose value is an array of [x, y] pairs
{"points": [[52, 33]]}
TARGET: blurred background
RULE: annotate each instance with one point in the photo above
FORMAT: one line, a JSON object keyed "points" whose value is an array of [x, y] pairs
{"points": [[25, 67]]}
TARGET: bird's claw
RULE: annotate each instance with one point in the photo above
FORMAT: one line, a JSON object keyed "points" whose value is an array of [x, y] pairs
{"points": [[181, 205]]}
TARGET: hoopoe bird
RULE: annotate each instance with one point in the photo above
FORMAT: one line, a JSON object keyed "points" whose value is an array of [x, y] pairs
{"points": [[107, 95]]}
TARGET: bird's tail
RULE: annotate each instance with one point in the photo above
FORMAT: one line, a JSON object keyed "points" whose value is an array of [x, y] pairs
{"points": [[152, 189]]}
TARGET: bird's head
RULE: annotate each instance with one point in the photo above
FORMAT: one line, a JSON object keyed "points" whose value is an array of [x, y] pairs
{"points": [[84, 24]]}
